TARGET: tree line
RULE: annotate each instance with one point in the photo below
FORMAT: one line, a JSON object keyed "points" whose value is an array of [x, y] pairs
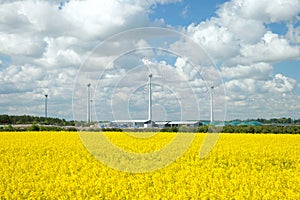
{"points": [[201, 129], [35, 127], [34, 123], [282, 120], [26, 119], [239, 129], [260, 129]]}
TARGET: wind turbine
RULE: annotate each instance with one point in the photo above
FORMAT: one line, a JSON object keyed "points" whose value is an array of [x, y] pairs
{"points": [[88, 103], [150, 99], [149, 85], [147, 63], [211, 104], [91, 112], [46, 105]]}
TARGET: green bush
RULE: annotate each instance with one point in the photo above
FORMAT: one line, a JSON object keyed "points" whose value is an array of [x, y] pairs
{"points": [[112, 129], [33, 127]]}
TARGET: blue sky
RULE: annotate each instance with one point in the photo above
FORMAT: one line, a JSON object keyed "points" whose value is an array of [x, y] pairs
{"points": [[255, 45], [185, 12]]}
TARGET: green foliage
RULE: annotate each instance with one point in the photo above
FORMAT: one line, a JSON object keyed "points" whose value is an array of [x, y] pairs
{"points": [[72, 129], [282, 120], [262, 129], [112, 129], [202, 129], [9, 128], [169, 129], [26, 119], [36, 127], [274, 125], [33, 127]]}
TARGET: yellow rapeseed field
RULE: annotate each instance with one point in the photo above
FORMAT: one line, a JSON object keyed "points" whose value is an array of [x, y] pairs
{"points": [[56, 165]]}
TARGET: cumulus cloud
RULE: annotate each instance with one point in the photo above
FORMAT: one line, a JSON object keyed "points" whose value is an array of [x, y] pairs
{"points": [[15, 44], [215, 39], [84, 19], [249, 98], [293, 34], [19, 78], [242, 86], [259, 71], [241, 41], [271, 48], [239, 33], [186, 69], [46, 45], [59, 52], [93, 19], [264, 10], [266, 105], [280, 83]]}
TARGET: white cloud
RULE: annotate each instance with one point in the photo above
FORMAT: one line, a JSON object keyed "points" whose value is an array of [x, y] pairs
{"points": [[240, 40], [59, 53], [240, 27], [84, 19], [240, 87], [183, 67], [249, 98], [19, 78], [263, 106], [98, 19], [27, 27], [293, 34], [185, 11], [272, 91], [259, 71], [46, 47], [271, 48], [239, 33], [262, 10], [155, 2], [26, 45], [216, 40], [281, 84]]}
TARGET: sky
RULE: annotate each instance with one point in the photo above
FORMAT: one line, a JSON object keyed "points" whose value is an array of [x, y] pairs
{"points": [[249, 50]]}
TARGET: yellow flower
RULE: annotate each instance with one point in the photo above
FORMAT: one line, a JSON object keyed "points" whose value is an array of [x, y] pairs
{"points": [[56, 165]]}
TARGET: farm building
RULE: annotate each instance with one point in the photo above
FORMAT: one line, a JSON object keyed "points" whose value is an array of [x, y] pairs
{"points": [[183, 123], [132, 123], [247, 123], [149, 124]]}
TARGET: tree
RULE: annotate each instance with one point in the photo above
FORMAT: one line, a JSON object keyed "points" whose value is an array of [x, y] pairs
{"points": [[34, 127]]}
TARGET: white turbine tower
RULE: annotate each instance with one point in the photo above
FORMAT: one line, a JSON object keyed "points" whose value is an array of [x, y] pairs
{"points": [[46, 105], [88, 103], [147, 63], [211, 104], [150, 99], [149, 85], [91, 110]]}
